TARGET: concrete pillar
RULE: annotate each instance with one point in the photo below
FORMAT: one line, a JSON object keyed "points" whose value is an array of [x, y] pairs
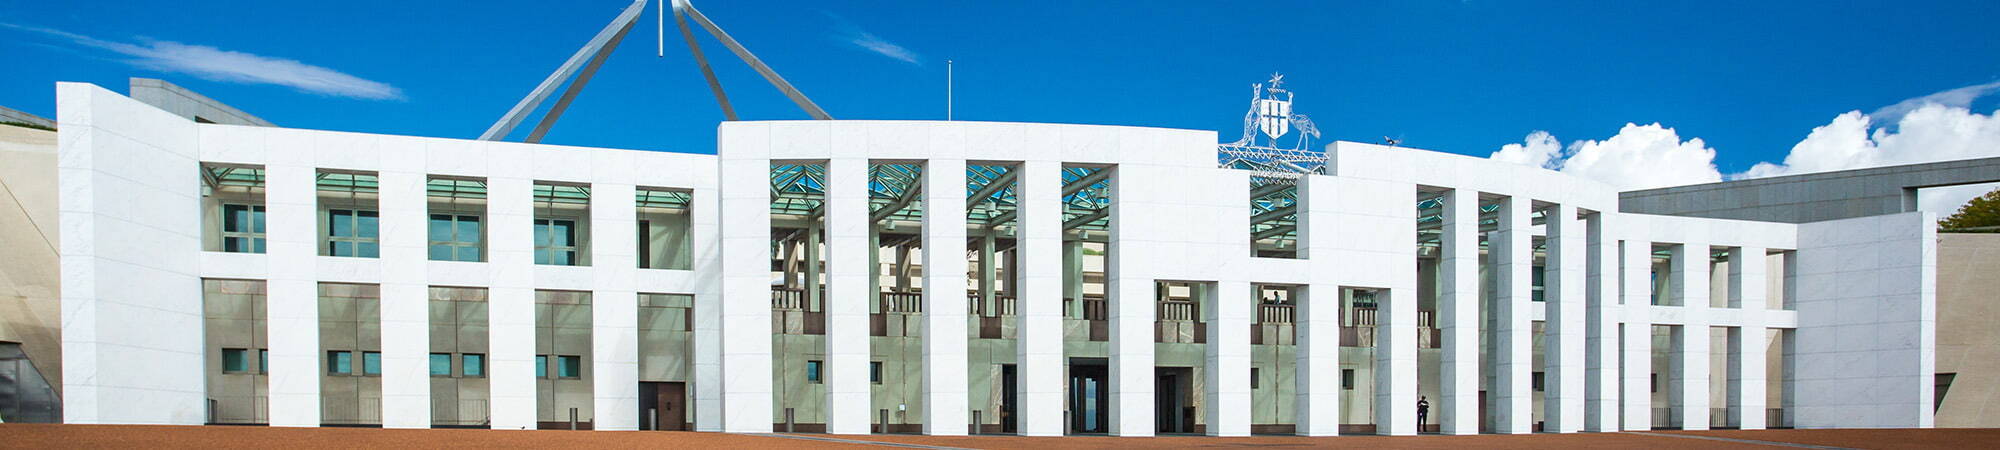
{"points": [[1227, 357], [705, 226], [986, 272], [1636, 338], [1747, 275], [1458, 315], [1563, 379], [1396, 358], [815, 237], [614, 309], [850, 291], [743, 326], [1072, 268], [292, 246], [1600, 349], [1317, 357], [1512, 249], [1688, 393], [944, 341], [1131, 295], [1039, 345], [406, 380], [510, 305]]}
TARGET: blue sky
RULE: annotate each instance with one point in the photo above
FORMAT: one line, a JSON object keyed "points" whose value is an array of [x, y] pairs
{"points": [[1749, 79]]}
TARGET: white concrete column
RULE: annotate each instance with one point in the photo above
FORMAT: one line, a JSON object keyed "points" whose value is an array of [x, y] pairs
{"points": [[1396, 359], [705, 236], [1563, 359], [1689, 390], [849, 290], [1227, 358], [1512, 249], [1317, 358], [1132, 315], [1072, 266], [1039, 337], [1458, 315], [743, 326], [1601, 314], [510, 312], [406, 380], [614, 306], [292, 244], [1636, 336], [946, 401], [1747, 275]]}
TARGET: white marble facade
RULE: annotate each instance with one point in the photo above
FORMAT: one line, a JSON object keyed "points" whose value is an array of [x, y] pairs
{"points": [[132, 263]]}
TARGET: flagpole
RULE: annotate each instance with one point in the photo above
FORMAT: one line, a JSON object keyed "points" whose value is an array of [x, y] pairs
{"points": [[947, 90]]}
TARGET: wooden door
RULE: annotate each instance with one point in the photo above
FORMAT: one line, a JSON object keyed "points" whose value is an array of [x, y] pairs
{"points": [[673, 406]]}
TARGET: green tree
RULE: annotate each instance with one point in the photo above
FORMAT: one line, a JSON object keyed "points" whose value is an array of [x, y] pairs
{"points": [[1983, 211]]}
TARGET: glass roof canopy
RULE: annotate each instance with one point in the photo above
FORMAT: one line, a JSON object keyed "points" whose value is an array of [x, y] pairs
{"points": [[800, 190]]}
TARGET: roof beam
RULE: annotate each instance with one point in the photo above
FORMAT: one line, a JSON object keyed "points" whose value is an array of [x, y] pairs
{"points": [[1081, 221], [990, 188], [910, 194], [1274, 214], [1082, 183], [1273, 232]]}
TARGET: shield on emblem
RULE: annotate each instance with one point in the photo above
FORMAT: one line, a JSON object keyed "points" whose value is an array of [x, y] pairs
{"points": [[1274, 117]]}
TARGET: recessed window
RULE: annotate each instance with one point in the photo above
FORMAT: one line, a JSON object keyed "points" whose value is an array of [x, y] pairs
{"points": [[555, 242], [263, 361], [875, 372], [474, 365], [440, 364], [541, 366], [371, 363], [812, 371], [569, 366], [1253, 378], [243, 228], [234, 360], [455, 237], [1538, 279], [339, 363], [1347, 379], [352, 233], [1537, 381]]}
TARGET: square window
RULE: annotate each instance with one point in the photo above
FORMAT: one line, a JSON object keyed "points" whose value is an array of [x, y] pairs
{"points": [[474, 365], [569, 366], [541, 366], [875, 372], [1253, 378], [1347, 379], [233, 361], [339, 362], [371, 363], [812, 371], [440, 364], [1537, 380]]}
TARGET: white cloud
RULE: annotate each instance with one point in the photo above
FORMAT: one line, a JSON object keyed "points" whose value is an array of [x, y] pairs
{"points": [[1959, 98], [846, 31], [1649, 156], [216, 64], [1638, 157]]}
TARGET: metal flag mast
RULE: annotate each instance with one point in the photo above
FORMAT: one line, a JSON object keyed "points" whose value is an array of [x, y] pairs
{"points": [[584, 64]]}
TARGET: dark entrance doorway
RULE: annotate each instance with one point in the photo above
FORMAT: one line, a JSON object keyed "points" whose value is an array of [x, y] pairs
{"points": [[1170, 399], [1008, 392], [1089, 397], [665, 403]]}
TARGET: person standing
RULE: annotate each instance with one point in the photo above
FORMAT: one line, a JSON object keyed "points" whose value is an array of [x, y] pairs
{"points": [[1423, 413]]}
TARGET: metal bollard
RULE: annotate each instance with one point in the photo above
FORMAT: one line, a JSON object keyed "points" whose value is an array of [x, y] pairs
{"points": [[653, 415], [572, 419], [976, 421], [885, 421], [788, 420]]}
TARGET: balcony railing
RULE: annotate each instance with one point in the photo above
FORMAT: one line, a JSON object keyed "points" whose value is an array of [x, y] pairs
{"points": [[1003, 305], [902, 302], [1275, 313], [1178, 310]]}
